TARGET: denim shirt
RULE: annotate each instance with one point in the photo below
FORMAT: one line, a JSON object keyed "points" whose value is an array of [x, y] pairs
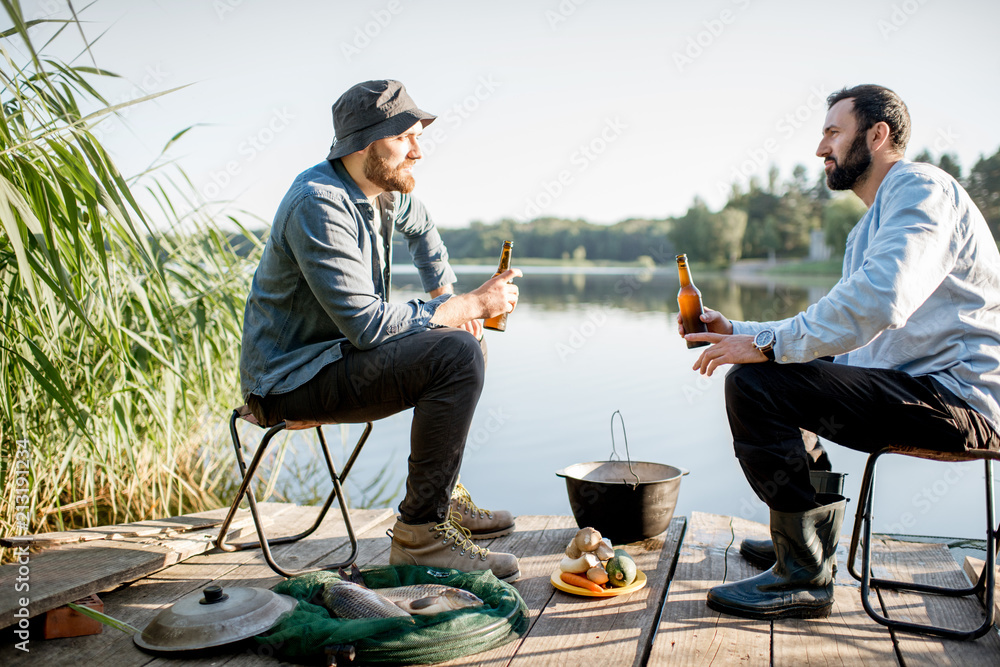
{"points": [[919, 293], [320, 284]]}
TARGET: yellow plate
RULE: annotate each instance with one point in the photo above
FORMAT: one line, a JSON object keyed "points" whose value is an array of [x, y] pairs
{"points": [[640, 581]]}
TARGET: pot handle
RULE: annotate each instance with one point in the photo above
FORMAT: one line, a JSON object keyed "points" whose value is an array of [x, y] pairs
{"points": [[614, 450], [684, 471]]}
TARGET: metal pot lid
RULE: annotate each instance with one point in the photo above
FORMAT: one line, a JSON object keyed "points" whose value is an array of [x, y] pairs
{"points": [[214, 617]]}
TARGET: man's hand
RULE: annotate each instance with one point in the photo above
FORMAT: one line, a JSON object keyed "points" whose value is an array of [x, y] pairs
{"points": [[499, 294], [725, 349], [716, 322], [494, 297], [474, 327]]}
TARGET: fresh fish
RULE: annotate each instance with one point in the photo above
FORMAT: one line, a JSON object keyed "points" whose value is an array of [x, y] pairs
{"points": [[427, 599], [354, 575], [349, 600]]}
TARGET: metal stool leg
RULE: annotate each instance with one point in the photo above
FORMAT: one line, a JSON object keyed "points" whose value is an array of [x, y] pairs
{"points": [[986, 580], [245, 489]]}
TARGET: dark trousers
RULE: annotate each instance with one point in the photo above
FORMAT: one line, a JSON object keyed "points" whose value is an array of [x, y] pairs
{"points": [[862, 408], [438, 372]]}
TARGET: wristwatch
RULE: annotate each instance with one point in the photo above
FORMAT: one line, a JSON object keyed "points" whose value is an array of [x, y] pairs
{"points": [[764, 341]]}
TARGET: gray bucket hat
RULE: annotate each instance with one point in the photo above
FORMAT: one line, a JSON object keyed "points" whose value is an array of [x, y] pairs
{"points": [[371, 111]]}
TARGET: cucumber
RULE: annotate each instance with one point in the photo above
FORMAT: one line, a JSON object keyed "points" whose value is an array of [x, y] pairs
{"points": [[621, 553], [621, 569]]}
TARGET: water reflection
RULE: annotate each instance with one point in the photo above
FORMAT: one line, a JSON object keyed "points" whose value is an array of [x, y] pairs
{"points": [[642, 291], [584, 343]]}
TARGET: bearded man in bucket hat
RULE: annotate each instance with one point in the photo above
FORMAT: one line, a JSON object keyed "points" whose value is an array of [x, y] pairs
{"points": [[322, 341]]}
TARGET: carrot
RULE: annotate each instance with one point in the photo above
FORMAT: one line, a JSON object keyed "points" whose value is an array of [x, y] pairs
{"points": [[582, 582]]}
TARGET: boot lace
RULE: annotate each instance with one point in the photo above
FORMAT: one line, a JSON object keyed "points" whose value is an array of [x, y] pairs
{"points": [[452, 531], [462, 498]]}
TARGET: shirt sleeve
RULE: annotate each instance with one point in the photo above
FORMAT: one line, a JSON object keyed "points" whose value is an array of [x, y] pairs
{"points": [[322, 237], [909, 256], [428, 251]]}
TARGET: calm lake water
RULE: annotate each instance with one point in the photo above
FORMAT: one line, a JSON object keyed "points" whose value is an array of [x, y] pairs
{"points": [[584, 343]]}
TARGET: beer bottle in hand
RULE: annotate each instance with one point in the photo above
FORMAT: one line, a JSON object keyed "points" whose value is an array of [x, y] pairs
{"points": [[689, 301], [499, 323]]}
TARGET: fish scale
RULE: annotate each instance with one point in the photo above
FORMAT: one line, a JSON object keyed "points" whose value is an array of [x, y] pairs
{"points": [[426, 599], [349, 600]]}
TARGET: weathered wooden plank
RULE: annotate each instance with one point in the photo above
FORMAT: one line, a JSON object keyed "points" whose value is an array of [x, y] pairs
{"points": [[973, 568], [67, 573], [847, 637], [932, 564], [373, 547], [138, 603], [171, 525], [689, 633], [603, 631], [538, 542]]}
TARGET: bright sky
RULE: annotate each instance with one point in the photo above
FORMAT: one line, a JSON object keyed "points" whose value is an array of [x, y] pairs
{"points": [[577, 108]]}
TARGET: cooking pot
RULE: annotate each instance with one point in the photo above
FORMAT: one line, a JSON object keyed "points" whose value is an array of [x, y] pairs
{"points": [[626, 501]]}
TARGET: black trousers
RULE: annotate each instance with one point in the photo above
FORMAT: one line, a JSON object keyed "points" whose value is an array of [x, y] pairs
{"points": [[861, 408], [439, 373]]}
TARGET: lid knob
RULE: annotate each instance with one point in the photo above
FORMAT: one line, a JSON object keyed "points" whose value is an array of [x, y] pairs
{"points": [[213, 594]]}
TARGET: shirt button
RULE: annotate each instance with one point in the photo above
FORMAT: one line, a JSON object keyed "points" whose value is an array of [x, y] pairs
{"points": [[784, 358]]}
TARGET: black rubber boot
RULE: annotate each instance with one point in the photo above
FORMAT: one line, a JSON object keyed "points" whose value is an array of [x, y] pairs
{"points": [[760, 553], [800, 585]]}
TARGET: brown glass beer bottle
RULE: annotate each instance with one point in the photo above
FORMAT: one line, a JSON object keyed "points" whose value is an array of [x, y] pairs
{"points": [[689, 301], [499, 323]]}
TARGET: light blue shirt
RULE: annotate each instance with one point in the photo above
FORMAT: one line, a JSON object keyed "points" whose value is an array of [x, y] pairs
{"points": [[920, 292], [321, 280]]}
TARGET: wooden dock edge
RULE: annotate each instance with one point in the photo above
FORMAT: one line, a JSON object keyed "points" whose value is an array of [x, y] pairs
{"points": [[973, 568], [102, 565]]}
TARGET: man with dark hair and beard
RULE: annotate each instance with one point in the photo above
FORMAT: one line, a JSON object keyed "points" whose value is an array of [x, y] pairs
{"points": [[322, 342], [903, 350]]}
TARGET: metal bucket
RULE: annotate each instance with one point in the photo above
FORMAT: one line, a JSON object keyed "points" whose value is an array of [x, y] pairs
{"points": [[626, 501]]}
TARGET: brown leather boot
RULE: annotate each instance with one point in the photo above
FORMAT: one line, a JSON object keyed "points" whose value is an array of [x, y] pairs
{"points": [[482, 524], [447, 545]]}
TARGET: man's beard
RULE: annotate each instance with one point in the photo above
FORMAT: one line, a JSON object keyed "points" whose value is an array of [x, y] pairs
{"points": [[855, 166], [377, 170]]}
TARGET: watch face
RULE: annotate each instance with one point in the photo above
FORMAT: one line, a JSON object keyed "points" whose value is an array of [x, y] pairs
{"points": [[764, 339]]}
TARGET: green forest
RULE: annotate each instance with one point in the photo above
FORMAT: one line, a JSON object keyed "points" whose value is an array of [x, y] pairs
{"points": [[765, 220]]}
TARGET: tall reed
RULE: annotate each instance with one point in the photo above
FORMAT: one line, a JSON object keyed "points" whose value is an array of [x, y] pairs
{"points": [[119, 343]]}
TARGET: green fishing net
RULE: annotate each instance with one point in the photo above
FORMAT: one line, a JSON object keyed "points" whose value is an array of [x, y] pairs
{"points": [[303, 635]]}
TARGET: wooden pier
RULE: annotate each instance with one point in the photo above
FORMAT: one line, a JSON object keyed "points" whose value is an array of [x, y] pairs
{"points": [[147, 566]]}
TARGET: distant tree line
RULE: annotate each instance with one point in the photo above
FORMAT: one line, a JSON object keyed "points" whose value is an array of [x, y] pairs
{"points": [[760, 220]]}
